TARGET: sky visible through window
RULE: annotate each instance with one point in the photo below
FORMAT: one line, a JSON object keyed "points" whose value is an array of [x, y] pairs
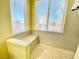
{"points": [[55, 5], [17, 9], [42, 6], [17, 16], [50, 15]]}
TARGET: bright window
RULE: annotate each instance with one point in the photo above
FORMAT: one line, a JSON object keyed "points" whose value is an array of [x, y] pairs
{"points": [[17, 16], [56, 15], [41, 7], [50, 15]]}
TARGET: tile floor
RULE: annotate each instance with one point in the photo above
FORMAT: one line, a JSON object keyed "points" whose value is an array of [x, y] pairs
{"points": [[43, 51]]}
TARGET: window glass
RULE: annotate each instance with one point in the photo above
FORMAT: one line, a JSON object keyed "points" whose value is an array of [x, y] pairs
{"points": [[17, 16], [56, 15], [41, 10]]}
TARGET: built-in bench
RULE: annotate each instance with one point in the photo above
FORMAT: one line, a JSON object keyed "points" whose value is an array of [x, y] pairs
{"points": [[21, 49], [77, 54]]}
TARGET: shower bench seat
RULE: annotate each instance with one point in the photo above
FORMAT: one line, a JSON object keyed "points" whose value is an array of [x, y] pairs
{"points": [[21, 49]]}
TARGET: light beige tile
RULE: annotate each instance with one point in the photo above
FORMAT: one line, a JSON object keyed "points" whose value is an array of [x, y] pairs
{"points": [[43, 51]]}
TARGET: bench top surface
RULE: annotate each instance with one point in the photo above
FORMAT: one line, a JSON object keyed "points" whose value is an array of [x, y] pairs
{"points": [[24, 42]]}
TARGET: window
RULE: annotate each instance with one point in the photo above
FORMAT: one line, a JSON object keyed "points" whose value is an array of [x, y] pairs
{"points": [[17, 16], [56, 15], [50, 15], [41, 14]]}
